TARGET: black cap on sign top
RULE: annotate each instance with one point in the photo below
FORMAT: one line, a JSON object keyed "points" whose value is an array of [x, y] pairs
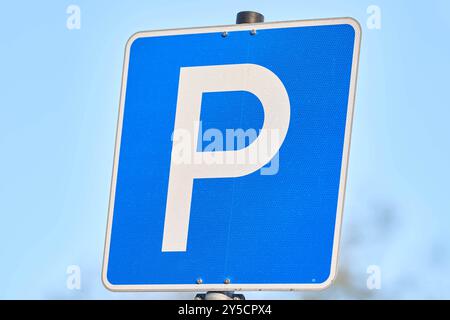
{"points": [[249, 17]]}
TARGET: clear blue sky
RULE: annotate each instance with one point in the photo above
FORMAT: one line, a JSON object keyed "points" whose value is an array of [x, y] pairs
{"points": [[59, 101]]}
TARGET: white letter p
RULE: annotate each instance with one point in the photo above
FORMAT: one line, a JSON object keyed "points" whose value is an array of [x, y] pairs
{"points": [[194, 81]]}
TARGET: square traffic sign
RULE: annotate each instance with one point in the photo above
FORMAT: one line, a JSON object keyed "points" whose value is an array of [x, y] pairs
{"points": [[231, 157]]}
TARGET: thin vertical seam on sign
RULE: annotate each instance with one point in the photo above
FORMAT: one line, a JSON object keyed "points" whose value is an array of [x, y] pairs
{"points": [[234, 180]]}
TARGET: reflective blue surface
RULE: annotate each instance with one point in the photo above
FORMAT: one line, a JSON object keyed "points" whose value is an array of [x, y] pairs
{"points": [[253, 229]]}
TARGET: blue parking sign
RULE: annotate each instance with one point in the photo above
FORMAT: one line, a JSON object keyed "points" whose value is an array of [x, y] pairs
{"points": [[231, 157]]}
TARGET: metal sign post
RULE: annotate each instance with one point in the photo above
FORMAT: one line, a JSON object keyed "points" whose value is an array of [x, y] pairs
{"points": [[249, 17]]}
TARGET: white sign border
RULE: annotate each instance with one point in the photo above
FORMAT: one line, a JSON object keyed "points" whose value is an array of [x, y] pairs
{"points": [[343, 177]]}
